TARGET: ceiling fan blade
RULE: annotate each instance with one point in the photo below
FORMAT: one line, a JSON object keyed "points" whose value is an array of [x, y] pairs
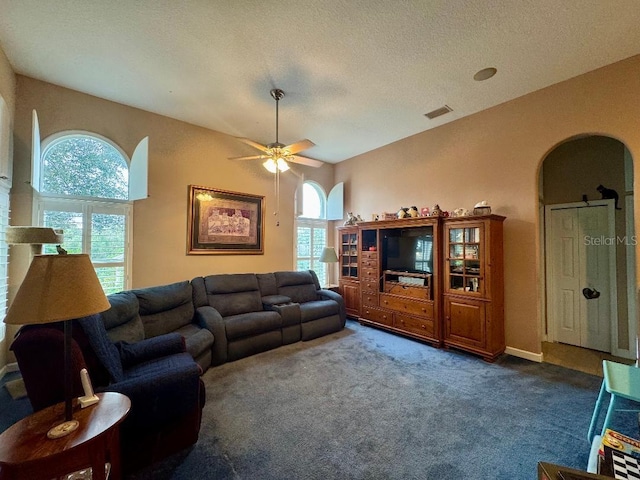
{"points": [[251, 157], [253, 144], [299, 146], [309, 162]]}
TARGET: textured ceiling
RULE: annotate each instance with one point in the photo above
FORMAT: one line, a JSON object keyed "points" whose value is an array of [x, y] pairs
{"points": [[357, 74]]}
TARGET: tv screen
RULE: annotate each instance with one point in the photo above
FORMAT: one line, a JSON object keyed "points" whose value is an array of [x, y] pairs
{"points": [[409, 250]]}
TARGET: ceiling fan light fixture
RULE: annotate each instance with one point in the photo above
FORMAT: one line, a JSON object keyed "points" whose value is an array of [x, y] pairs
{"points": [[270, 165], [273, 165], [283, 166]]}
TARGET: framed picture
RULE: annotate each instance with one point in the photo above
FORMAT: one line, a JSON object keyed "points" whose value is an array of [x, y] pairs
{"points": [[223, 222]]}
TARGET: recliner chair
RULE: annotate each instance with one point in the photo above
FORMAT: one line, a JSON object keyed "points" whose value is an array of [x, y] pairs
{"points": [[160, 378]]}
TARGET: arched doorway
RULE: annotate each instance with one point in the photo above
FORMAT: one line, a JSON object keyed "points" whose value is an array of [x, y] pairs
{"points": [[589, 251]]}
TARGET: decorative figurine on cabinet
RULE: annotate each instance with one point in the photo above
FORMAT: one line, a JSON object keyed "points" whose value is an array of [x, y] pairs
{"points": [[402, 213], [351, 219], [413, 212], [460, 212], [435, 211], [481, 208]]}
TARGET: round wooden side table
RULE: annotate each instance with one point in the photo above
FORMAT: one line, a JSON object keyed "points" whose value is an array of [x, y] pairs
{"points": [[27, 453]]}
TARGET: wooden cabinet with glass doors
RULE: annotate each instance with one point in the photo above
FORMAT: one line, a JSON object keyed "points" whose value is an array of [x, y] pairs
{"points": [[473, 291], [348, 259]]}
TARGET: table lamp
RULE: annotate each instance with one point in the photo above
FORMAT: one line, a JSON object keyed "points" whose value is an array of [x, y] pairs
{"points": [[328, 255], [59, 288], [34, 236]]}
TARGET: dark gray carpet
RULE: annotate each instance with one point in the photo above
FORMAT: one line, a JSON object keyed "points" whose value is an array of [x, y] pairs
{"points": [[365, 404], [12, 410]]}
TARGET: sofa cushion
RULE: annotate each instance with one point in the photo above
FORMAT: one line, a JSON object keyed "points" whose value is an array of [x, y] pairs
{"points": [[199, 292], [104, 348], [318, 309], [165, 308], [267, 284], [122, 321], [233, 294], [299, 286], [250, 324], [197, 339]]}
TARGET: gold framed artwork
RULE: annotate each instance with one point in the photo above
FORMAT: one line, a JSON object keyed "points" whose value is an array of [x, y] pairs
{"points": [[223, 222]]}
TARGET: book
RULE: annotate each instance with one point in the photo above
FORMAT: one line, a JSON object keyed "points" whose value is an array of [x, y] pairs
{"points": [[617, 441]]}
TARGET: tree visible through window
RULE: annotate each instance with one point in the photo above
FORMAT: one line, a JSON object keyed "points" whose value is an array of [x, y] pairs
{"points": [[85, 166], [84, 184]]}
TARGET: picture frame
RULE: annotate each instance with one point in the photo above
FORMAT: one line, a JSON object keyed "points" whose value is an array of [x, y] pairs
{"points": [[221, 222]]}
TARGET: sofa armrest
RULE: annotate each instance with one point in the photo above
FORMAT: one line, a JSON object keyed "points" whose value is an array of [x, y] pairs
{"points": [[159, 395], [150, 349], [335, 296], [289, 312], [209, 318]]}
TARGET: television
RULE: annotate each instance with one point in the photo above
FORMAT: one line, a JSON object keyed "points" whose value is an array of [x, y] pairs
{"points": [[408, 250]]}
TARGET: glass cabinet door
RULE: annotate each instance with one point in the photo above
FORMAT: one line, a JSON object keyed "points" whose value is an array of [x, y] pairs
{"points": [[349, 254], [464, 260]]}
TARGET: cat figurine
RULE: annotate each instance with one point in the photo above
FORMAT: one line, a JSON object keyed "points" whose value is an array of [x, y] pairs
{"points": [[608, 193]]}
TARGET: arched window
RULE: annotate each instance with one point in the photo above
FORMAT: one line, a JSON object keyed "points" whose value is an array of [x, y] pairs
{"points": [[103, 172], [311, 231], [84, 190]]}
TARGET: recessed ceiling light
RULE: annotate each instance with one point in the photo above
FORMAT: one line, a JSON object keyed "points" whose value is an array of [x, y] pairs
{"points": [[485, 74]]}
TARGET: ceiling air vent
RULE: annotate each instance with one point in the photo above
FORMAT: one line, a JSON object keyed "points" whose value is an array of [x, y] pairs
{"points": [[438, 111]]}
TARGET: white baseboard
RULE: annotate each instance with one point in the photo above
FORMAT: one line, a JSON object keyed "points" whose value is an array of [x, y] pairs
{"points": [[516, 352], [10, 367]]}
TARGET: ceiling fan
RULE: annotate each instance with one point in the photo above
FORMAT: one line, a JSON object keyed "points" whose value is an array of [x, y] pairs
{"points": [[277, 154]]}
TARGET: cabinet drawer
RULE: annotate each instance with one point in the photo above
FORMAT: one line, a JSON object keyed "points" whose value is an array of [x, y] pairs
{"points": [[408, 291], [370, 299], [370, 286], [367, 254], [379, 316], [419, 326], [406, 305], [369, 274], [369, 263]]}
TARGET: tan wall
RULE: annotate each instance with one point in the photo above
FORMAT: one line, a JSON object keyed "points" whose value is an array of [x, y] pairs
{"points": [[180, 154], [7, 91], [495, 155]]}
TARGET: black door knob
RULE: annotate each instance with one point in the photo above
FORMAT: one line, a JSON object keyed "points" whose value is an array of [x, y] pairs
{"points": [[590, 294]]}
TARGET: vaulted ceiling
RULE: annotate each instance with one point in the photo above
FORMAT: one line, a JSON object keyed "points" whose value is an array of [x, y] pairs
{"points": [[357, 74]]}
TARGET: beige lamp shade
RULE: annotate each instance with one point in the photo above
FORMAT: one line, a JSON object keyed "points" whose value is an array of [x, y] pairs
{"points": [[33, 235], [56, 288], [328, 255]]}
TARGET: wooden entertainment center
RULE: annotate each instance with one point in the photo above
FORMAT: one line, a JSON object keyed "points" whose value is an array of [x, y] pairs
{"points": [[435, 279]]}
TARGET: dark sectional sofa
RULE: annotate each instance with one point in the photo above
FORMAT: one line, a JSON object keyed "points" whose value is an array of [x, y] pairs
{"points": [[250, 313], [226, 317], [154, 343]]}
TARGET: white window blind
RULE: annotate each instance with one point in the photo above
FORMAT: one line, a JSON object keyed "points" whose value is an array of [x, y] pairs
{"points": [[97, 228], [311, 240], [4, 255]]}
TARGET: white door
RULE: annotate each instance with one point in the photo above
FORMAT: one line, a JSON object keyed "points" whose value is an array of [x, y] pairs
{"points": [[581, 244]]}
